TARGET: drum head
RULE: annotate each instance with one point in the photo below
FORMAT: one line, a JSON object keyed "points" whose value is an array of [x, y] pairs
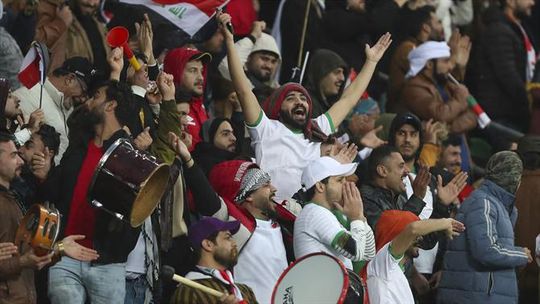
{"points": [[315, 278], [149, 195]]}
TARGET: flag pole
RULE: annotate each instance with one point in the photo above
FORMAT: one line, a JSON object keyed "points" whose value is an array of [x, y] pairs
{"points": [[303, 37]]}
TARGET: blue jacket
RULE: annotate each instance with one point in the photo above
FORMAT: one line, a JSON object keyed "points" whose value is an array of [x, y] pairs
{"points": [[479, 266]]}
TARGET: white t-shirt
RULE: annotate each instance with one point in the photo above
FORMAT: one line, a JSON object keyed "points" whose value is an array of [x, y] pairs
{"points": [[262, 260], [316, 228], [426, 258], [284, 153], [386, 281]]}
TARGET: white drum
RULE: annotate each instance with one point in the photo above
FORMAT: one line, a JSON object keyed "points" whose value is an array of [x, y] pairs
{"points": [[317, 278]]}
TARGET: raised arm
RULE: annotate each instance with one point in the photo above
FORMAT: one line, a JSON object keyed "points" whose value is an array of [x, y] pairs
{"points": [[352, 94], [242, 85], [408, 236]]}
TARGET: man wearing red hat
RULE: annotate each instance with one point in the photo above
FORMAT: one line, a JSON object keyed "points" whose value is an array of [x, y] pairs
{"points": [[246, 195], [188, 67], [284, 136], [396, 235]]}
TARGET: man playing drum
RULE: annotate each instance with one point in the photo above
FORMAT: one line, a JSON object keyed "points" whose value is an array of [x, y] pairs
{"points": [[317, 229], [216, 253]]}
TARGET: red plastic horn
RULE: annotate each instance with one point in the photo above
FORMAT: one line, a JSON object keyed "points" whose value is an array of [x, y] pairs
{"points": [[118, 37]]}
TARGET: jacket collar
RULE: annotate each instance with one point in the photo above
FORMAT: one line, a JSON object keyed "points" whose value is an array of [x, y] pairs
{"points": [[505, 197], [56, 96], [139, 91]]}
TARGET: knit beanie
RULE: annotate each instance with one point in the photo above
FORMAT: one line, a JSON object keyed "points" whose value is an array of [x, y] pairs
{"points": [[504, 169], [234, 180], [390, 224]]}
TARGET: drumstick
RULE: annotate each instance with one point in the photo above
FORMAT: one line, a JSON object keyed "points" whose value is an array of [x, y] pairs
{"points": [[168, 272]]}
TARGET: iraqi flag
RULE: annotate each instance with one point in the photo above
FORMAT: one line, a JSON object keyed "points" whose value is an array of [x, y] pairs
{"points": [[188, 15], [34, 66]]}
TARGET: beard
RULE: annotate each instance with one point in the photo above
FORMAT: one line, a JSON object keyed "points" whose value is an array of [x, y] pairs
{"points": [[289, 120], [227, 259], [440, 78], [261, 75]]}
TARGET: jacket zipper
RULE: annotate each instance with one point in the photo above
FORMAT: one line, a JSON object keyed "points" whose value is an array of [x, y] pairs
{"points": [[490, 283]]}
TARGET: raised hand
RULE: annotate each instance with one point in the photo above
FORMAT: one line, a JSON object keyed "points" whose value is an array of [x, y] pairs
{"points": [[346, 154], [165, 83], [145, 36], [76, 251], [223, 19], [179, 147], [376, 52], [434, 131], [371, 140], [36, 120], [453, 228], [41, 164], [143, 140], [421, 182], [116, 62], [353, 207], [447, 194], [257, 28]]}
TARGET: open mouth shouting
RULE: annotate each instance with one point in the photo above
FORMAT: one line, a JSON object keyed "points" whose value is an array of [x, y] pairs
{"points": [[299, 113]]}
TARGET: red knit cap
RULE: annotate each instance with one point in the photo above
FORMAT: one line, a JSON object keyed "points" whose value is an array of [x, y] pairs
{"points": [[226, 177], [272, 105], [390, 224]]}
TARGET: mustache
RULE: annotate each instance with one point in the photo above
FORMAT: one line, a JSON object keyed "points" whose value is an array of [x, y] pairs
{"points": [[89, 5]]}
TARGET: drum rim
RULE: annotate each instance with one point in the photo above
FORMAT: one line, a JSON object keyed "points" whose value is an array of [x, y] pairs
{"points": [[341, 266], [101, 162], [159, 166]]}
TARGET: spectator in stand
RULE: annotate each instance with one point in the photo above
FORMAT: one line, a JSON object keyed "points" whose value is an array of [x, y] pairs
{"points": [[38, 153], [18, 264], [11, 116], [527, 228], [499, 74], [450, 157], [10, 55], [346, 26], [414, 28], [397, 236], [291, 27], [325, 80], [260, 56], [220, 143], [480, 265], [103, 281], [385, 190], [188, 67], [73, 30], [317, 228], [285, 130], [62, 91], [216, 253], [429, 94], [245, 194]]}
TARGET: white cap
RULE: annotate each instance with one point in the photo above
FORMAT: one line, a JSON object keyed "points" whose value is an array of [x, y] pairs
{"points": [[325, 167], [420, 55], [266, 43]]}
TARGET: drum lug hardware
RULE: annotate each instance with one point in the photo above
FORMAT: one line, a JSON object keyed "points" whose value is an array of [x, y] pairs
{"points": [[99, 205]]}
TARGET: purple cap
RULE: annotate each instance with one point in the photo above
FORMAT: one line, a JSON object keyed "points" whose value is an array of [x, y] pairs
{"points": [[207, 226]]}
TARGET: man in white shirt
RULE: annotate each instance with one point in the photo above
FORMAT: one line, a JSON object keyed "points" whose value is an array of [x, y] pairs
{"points": [[63, 89], [287, 139], [317, 229], [397, 233]]}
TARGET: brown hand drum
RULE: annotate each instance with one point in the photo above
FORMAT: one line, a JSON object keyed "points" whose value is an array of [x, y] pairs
{"points": [[39, 228], [128, 183]]}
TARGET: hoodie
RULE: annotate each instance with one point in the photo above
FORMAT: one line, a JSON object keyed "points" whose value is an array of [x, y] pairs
{"points": [[322, 63], [174, 64]]}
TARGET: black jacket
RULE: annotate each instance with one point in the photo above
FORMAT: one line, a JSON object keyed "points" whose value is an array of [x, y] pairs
{"points": [[497, 73], [376, 200], [113, 239]]}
